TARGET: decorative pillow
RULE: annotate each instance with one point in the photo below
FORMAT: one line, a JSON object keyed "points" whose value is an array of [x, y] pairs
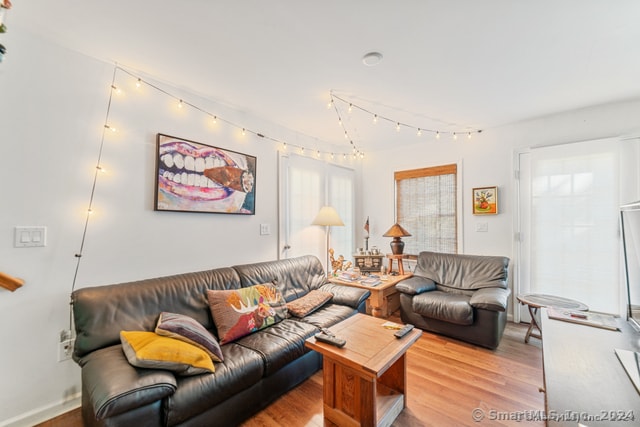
{"points": [[187, 329], [150, 350], [239, 312], [308, 303]]}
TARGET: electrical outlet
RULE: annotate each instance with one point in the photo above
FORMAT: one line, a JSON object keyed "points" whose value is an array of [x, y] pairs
{"points": [[65, 350]]}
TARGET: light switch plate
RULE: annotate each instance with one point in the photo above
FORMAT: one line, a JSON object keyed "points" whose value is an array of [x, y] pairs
{"points": [[265, 229], [30, 236]]}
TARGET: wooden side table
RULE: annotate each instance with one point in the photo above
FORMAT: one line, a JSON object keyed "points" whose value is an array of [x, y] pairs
{"points": [[536, 301], [384, 298], [398, 259]]}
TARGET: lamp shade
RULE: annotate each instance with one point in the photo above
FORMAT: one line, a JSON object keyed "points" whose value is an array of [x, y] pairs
{"points": [[396, 230], [327, 216]]}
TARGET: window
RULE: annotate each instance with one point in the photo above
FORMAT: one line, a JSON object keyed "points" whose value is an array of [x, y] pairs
{"points": [[307, 185], [427, 208]]}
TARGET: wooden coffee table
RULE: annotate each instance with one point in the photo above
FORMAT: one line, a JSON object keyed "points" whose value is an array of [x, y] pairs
{"points": [[364, 381], [384, 298]]}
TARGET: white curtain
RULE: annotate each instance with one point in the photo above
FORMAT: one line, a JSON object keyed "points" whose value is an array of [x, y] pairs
{"points": [[568, 221], [308, 184]]}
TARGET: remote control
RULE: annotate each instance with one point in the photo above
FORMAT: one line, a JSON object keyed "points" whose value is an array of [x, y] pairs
{"points": [[404, 331], [331, 339]]}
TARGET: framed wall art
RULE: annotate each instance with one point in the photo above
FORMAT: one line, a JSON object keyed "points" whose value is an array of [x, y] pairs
{"points": [[194, 177], [485, 201]]}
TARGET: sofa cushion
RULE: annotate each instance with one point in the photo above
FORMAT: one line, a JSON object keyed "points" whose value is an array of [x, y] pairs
{"points": [[494, 299], [328, 315], [239, 312], [280, 344], [446, 306], [117, 387], [309, 303], [187, 329], [242, 368], [463, 271], [416, 285], [150, 350]]}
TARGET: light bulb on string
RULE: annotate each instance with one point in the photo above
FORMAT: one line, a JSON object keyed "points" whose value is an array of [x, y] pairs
{"points": [[419, 132], [344, 156], [215, 120], [437, 134], [332, 156], [375, 119], [111, 128], [350, 107], [243, 132], [284, 146], [138, 83], [116, 89], [398, 127], [469, 135], [100, 169], [318, 153], [455, 136], [180, 104]]}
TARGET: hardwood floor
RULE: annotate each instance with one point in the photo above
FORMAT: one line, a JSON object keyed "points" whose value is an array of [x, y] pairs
{"points": [[449, 382]]}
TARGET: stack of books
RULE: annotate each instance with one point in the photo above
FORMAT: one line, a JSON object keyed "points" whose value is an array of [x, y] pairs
{"points": [[349, 276], [371, 281]]}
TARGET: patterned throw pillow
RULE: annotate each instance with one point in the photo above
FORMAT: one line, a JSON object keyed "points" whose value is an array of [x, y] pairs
{"points": [[187, 329], [309, 303], [150, 350], [239, 312]]}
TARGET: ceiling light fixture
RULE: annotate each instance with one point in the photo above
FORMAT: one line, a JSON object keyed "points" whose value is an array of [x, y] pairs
{"points": [[372, 58]]}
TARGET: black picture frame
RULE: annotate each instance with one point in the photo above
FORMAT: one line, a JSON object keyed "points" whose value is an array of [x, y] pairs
{"points": [[196, 177]]}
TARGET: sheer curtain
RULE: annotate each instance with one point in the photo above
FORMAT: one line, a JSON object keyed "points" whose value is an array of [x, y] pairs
{"points": [[308, 184], [569, 217]]}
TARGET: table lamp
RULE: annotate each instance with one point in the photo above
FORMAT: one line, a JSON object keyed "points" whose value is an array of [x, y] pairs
{"points": [[327, 217], [396, 231]]}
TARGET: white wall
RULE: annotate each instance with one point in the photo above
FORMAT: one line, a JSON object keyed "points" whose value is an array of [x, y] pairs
{"points": [[487, 160], [53, 105]]}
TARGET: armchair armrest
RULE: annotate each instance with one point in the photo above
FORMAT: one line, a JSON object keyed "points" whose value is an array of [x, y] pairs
{"points": [[494, 299], [416, 285], [346, 295], [115, 386]]}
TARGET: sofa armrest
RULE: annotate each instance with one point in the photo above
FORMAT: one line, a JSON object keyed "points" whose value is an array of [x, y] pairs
{"points": [[494, 299], [346, 295], [415, 285], [115, 386]]}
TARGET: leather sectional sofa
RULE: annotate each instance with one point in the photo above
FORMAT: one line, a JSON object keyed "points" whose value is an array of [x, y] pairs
{"points": [[257, 368], [460, 296]]}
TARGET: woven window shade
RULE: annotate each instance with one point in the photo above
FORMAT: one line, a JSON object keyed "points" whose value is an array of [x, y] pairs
{"points": [[426, 201]]}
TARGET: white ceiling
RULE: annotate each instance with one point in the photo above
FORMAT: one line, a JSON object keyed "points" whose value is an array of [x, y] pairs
{"points": [[449, 65]]}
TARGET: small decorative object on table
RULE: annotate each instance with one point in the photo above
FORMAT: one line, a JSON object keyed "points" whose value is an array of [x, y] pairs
{"points": [[338, 264]]}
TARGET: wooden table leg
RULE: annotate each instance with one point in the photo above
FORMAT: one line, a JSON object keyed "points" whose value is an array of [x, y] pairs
{"points": [[533, 312]]}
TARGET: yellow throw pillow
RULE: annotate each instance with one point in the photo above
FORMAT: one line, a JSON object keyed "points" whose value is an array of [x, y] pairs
{"points": [[150, 350]]}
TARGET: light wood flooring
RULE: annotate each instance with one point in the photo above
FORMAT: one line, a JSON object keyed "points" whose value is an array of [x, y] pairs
{"points": [[448, 383]]}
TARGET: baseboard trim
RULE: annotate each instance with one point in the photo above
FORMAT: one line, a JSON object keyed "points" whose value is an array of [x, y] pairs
{"points": [[44, 413]]}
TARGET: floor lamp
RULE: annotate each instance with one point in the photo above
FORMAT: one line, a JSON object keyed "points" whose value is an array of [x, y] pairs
{"points": [[327, 217]]}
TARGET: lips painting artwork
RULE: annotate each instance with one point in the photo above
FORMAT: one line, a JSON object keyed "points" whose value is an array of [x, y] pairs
{"points": [[193, 177]]}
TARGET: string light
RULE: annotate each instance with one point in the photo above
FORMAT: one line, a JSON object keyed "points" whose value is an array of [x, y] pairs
{"points": [[112, 129], [182, 103], [376, 117]]}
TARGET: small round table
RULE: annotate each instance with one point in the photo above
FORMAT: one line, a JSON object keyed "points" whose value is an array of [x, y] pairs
{"points": [[535, 301]]}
